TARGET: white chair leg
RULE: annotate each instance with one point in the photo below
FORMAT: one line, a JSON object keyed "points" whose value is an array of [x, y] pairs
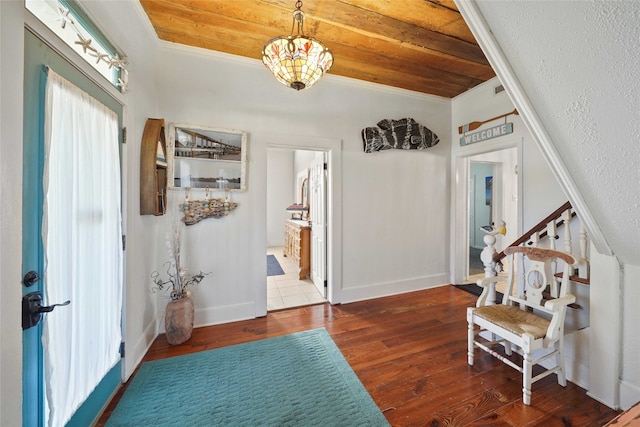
{"points": [[507, 348], [470, 338], [562, 380], [527, 368]]}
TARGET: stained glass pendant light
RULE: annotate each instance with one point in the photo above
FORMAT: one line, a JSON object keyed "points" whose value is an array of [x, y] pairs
{"points": [[297, 61]]}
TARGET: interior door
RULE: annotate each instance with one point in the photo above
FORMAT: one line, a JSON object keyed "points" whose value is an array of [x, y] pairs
{"points": [[318, 197], [37, 54]]}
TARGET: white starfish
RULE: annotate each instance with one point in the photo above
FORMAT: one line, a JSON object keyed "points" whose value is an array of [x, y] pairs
{"points": [[64, 17], [118, 62], [85, 43], [124, 64], [100, 56], [123, 85], [113, 62]]}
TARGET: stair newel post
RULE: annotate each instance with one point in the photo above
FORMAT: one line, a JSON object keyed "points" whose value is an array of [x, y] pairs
{"points": [[488, 256]]}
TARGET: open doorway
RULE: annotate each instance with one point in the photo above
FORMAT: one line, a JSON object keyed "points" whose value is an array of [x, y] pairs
{"points": [[297, 224], [481, 202], [491, 195]]}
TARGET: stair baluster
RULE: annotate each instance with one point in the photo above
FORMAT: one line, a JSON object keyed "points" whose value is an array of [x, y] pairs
{"points": [[552, 235], [583, 263]]}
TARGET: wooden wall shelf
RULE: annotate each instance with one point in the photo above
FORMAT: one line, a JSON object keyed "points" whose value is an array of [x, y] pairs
{"points": [[153, 169]]}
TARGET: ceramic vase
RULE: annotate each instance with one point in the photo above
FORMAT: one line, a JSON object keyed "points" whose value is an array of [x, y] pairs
{"points": [[178, 320]]}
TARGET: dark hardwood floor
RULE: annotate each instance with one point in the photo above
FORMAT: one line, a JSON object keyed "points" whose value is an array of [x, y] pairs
{"points": [[410, 352]]}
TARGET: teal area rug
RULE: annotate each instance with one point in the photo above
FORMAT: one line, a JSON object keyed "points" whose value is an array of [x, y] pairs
{"points": [[273, 266], [300, 379]]}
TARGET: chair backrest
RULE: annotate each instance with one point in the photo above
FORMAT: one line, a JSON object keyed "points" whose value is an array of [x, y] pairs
{"points": [[537, 276]]}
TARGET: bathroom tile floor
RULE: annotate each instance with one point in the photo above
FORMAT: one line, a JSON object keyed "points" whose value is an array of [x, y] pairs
{"points": [[287, 290]]}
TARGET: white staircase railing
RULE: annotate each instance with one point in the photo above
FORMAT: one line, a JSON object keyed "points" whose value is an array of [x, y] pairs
{"points": [[545, 234]]}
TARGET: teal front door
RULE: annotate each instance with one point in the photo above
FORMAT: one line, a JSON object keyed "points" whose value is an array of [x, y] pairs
{"points": [[37, 55]]}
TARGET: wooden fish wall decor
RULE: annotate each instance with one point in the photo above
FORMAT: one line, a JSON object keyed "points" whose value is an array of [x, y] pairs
{"points": [[403, 134]]}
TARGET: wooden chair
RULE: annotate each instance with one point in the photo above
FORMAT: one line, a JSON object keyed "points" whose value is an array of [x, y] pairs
{"points": [[526, 320]]}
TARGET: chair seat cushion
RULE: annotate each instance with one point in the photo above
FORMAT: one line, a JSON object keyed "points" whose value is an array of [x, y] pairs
{"points": [[514, 320]]}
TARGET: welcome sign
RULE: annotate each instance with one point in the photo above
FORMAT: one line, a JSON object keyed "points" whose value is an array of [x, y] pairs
{"points": [[483, 135]]}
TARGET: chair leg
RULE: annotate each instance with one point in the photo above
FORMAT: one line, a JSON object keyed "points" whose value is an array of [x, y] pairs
{"points": [[507, 348], [470, 339], [562, 380], [527, 368]]}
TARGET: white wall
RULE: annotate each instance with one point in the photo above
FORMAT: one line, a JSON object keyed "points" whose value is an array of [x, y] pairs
{"points": [[533, 179], [399, 198], [301, 162], [283, 167], [576, 83], [581, 75], [630, 378], [280, 193], [11, 83]]}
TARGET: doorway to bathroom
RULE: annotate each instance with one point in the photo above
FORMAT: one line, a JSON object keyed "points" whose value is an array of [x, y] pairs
{"points": [[297, 225]]}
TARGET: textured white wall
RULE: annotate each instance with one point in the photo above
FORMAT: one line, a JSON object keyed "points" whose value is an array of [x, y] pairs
{"points": [[578, 81], [579, 65]]}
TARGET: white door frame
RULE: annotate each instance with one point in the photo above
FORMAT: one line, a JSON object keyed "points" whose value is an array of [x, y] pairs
{"points": [[460, 204], [333, 148]]}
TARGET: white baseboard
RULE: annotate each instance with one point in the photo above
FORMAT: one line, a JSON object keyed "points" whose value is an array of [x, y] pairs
{"points": [[224, 314], [217, 315], [629, 395], [379, 290], [134, 353]]}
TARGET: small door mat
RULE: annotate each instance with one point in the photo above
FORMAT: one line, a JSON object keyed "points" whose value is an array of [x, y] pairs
{"points": [[273, 266]]}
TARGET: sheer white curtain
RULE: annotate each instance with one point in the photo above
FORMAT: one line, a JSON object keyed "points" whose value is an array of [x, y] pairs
{"points": [[82, 244]]}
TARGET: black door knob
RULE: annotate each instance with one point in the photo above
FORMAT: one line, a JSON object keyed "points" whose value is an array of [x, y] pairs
{"points": [[32, 309], [31, 278]]}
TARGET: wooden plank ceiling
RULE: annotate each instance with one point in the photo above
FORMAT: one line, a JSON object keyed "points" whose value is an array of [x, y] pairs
{"points": [[420, 45]]}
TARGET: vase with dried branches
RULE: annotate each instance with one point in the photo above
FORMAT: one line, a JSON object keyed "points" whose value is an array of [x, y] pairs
{"points": [[179, 313]]}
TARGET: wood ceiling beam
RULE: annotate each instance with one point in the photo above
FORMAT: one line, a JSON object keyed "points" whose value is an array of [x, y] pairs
{"points": [[421, 45], [411, 80], [417, 24], [225, 32]]}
